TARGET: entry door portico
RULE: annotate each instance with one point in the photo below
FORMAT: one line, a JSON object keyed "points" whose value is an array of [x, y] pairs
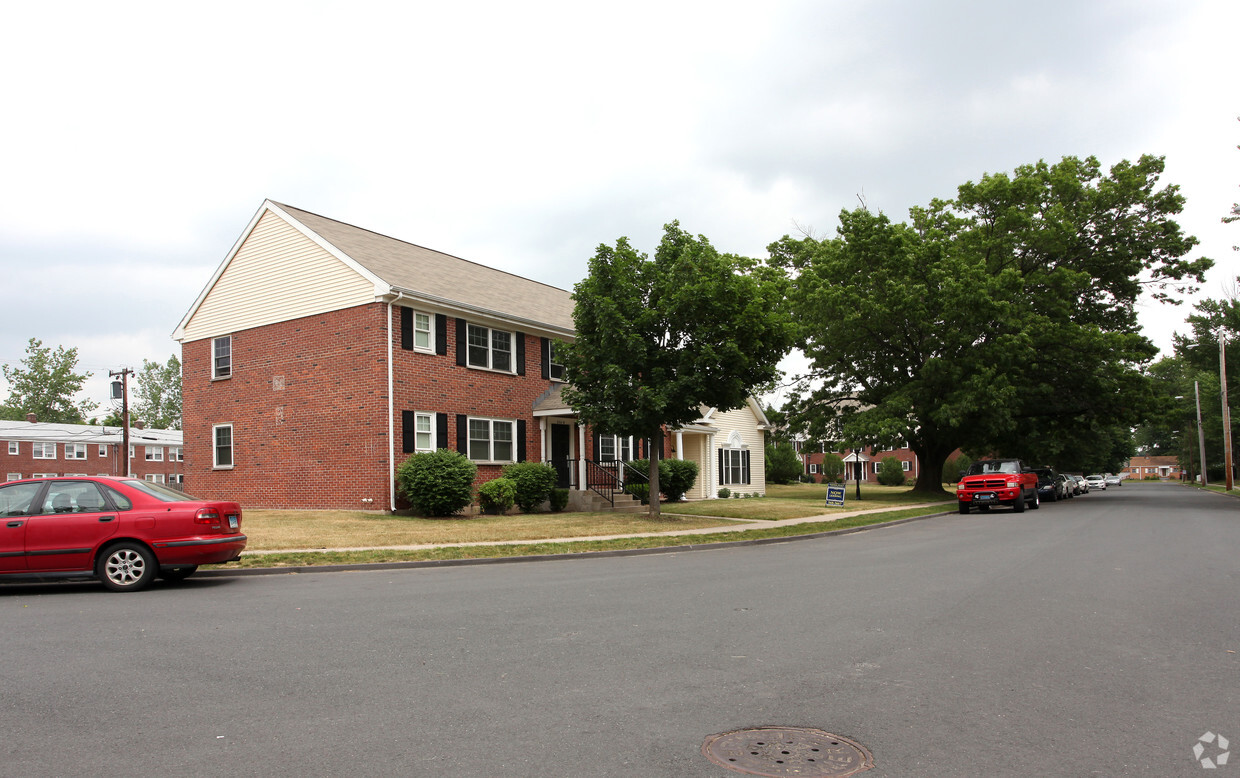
{"points": [[561, 454]]}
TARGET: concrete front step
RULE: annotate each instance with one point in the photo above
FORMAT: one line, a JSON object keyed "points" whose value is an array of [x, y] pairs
{"points": [[591, 502]]}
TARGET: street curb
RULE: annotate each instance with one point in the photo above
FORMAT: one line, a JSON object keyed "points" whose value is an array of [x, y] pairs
{"points": [[361, 566]]}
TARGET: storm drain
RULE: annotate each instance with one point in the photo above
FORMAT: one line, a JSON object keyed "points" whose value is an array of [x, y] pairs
{"points": [[778, 751]]}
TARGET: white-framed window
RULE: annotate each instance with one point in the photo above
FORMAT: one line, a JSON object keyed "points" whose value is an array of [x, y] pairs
{"points": [[103, 449], [44, 450], [13, 447], [13, 477], [42, 475], [615, 448], [75, 451], [176, 478], [222, 446], [423, 331], [813, 468], [906, 465], [555, 368], [154, 453], [488, 348], [491, 440], [131, 451], [221, 357], [417, 432], [734, 466], [176, 454], [75, 475], [155, 478]]}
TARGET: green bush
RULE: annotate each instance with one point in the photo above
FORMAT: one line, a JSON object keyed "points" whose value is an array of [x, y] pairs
{"points": [[954, 466], [559, 499], [437, 483], [783, 465], [676, 476], [640, 491], [890, 472], [497, 496], [832, 468], [534, 482], [724, 493]]}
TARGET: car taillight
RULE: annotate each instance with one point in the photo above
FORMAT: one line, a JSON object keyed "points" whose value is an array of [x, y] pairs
{"points": [[207, 516]]}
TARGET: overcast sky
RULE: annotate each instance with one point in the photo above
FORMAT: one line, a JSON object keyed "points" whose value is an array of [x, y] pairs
{"points": [[140, 138]]}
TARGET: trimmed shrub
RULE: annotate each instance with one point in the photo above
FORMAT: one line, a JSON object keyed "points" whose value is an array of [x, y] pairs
{"points": [[832, 468], [676, 478], [783, 464], [497, 496], [437, 483], [533, 481], [890, 472], [559, 499], [724, 493]]}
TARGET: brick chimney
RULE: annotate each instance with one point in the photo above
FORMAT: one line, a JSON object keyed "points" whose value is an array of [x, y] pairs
{"points": [[32, 418], [139, 425]]}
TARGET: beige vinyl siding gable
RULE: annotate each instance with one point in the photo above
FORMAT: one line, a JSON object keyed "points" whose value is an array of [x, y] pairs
{"points": [[255, 287], [744, 421]]}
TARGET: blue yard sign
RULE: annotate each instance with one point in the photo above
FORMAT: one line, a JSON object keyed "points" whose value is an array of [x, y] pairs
{"points": [[835, 495]]}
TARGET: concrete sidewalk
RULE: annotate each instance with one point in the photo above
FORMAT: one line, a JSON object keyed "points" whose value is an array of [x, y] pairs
{"points": [[748, 524]]}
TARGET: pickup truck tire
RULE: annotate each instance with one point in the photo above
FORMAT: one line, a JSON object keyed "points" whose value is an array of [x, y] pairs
{"points": [[1019, 505]]}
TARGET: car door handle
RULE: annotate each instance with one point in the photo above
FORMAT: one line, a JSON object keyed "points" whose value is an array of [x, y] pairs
{"points": [[12, 524], [106, 518]]}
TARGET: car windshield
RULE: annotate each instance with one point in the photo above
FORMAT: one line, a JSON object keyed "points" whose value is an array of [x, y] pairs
{"points": [[994, 467], [158, 491]]}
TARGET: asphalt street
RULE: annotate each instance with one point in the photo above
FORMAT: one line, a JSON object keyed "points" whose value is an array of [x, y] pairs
{"points": [[1098, 636]]}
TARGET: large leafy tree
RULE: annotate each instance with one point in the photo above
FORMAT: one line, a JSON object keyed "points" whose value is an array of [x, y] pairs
{"points": [[157, 394], [46, 384], [657, 339], [1001, 321]]}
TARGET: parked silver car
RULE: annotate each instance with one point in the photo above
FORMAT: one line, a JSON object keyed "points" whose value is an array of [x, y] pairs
{"points": [[1096, 482]]}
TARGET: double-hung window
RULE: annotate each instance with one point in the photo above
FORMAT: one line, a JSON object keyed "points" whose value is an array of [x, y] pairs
{"points": [[490, 440], [175, 454], [13, 449], [154, 453], [221, 357], [222, 445], [103, 449], [417, 432], [43, 450], [733, 466], [488, 348], [554, 366], [615, 448], [75, 451]]}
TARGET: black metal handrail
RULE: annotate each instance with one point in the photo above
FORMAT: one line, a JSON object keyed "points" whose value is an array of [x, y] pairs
{"points": [[608, 479]]}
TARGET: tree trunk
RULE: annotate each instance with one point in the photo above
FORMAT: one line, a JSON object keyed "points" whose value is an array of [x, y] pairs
{"points": [[656, 450], [930, 474]]}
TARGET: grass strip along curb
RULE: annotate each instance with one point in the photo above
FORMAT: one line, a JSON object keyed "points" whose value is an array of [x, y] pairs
{"points": [[388, 559]]}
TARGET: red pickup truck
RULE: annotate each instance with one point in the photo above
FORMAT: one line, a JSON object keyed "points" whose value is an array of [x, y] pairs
{"points": [[997, 482]]}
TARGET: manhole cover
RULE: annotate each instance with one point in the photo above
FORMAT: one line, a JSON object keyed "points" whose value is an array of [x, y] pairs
{"points": [[777, 751]]}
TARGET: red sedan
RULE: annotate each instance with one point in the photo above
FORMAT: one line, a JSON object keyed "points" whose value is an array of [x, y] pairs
{"points": [[123, 531]]}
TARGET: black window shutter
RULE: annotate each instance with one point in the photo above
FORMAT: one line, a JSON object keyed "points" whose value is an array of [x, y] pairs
{"points": [[745, 460], [460, 343], [720, 452], [441, 334], [406, 328], [441, 430], [546, 358], [462, 434], [594, 441], [520, 440], [408, 430], [520, 336]]}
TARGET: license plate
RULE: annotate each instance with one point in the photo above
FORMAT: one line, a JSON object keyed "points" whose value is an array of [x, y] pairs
{"points": [[984, 497], [232, 522]]}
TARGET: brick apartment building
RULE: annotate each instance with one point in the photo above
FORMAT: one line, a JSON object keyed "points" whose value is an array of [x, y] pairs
{"points": [[320, 355], [35, 449], [867, 459]]}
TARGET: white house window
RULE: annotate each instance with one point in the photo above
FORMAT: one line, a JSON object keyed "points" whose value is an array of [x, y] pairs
{"points": [[554, 367], [44, 450], [734, 466], [176, 478], [906, 465], [417, 432], [13, 477], [813, 468], [13, 448], [175, 454], [489, 348], [221, 357], [423, 338], [615, 448], [131, 451], [103, 450], [154, 453], [75, 451], [155, 478], [222, 445], [490, 440], [42, 475]]}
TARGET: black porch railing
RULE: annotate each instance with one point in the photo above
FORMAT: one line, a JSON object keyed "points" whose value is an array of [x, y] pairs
{"points": [[606, 479]]}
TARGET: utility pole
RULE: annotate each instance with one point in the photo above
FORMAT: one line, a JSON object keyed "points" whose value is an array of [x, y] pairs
{"points": [[1222, 377], [120, 391]]}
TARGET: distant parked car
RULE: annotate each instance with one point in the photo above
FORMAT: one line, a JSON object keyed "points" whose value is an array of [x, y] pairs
{"points": [[1113, 480], [1096, 482], [1051, 485], [123, 531], [1067, 486], [1082, 484]]}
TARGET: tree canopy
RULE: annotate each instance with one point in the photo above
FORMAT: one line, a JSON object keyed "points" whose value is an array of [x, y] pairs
{"points": [[657, 339], [45, 384], [157, 394], [1001, 321]]}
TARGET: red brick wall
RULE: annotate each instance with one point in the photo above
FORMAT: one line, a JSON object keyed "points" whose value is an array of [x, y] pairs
{"points": [[321, 441]]}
